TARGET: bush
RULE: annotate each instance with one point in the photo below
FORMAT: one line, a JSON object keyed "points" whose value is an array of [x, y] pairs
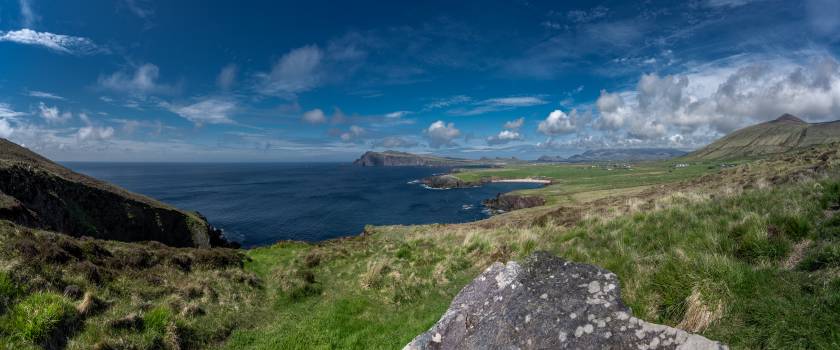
{"points": [[38, 317]]}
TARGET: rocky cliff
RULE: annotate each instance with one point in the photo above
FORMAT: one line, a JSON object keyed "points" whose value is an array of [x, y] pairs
{"points": [[39, 193], [548, 303]]}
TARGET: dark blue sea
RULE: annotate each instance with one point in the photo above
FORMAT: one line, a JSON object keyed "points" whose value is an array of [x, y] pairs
{"points": [[259, 203]]}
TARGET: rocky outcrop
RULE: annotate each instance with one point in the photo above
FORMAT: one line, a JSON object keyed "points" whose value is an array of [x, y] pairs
{"points": [[445, 182], [510, 202], [394, 158], [38, 193], [548, 303]]}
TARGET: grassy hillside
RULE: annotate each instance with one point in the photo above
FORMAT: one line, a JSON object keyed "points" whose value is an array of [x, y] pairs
{"points": [[747, 255], [783, 134]]}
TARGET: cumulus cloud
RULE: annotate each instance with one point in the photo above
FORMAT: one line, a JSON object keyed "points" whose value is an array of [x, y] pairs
{"points": [[52, 115], [504, 137], [558, 123], [6, 128], [353, 134], [515, 124], [718, 99], [227, 77], [42, 94], [315, 116], [207, 111], [143, 81], [441, 134], [297, 71], [56, 42]]}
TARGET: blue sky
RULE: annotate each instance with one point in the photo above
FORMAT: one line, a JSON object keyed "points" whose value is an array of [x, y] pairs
{"points": [[142, 80]]}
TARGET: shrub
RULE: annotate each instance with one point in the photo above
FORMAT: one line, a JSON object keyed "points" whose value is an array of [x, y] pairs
{"points": [[37, 317]]}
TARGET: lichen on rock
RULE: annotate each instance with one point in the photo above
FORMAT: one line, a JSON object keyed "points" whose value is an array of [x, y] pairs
{"points": [[548, 303]]}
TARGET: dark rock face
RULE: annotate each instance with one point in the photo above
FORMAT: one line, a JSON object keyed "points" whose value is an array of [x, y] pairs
{"points": [[510, 202], [37, 193], [548, 303], [446, 182]]}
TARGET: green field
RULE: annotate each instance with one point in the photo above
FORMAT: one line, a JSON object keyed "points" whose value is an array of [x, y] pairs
{"points": [[571, 179]]}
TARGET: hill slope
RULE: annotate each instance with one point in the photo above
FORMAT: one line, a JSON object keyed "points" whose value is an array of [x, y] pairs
{"points": [[39, 193], [777, 136]]}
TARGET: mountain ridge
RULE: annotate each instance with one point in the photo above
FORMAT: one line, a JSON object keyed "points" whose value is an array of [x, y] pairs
{"points": [[785, 133]]}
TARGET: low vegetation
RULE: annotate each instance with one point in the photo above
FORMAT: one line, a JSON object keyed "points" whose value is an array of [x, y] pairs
{"points": [[748, 255]]}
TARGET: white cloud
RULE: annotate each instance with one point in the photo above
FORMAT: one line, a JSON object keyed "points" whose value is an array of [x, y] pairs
{"points": [[395, 142], [27, 14], [315, 116], [397, 114], [208, 111], [94, 133], [558, 123], [42, 94], [6, 111], [504, 137], [139, 8], [353, 134], [227, 77], [442, 134], [499, 104], [720, 97], [448, 101], [297, 71], [6, 128], [57, 42], [515, 124], [142, 81], [52, 115]]}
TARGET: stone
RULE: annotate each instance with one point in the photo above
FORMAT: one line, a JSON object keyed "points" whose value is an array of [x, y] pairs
{"points": [[513, 306]]}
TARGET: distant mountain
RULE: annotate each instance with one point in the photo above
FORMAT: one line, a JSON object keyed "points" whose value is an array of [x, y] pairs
{"points": [[394, 158], [39, 193], [615, 154], [777, 136]]}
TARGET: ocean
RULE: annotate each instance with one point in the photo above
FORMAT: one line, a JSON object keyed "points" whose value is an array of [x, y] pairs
{"points": [[261, 203]]}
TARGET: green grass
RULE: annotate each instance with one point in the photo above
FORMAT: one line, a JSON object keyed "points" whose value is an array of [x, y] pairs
{"points": [[35, 318], [570, 179], [738, 256], [381, 291]]}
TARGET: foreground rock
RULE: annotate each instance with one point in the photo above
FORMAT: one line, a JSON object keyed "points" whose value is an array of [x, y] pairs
{"points": [[510, 202], [548, 303]]}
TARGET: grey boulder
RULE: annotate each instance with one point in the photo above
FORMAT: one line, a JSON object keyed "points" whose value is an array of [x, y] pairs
{"points": [[548, 303]]}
